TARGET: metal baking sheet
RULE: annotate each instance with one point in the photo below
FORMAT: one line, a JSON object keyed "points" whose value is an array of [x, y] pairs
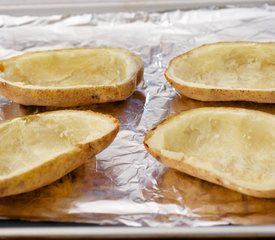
{"points": [[77, 232], [124, 185]]}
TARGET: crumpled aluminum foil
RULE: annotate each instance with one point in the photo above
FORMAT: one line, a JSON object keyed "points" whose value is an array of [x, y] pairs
{"points": [[124, 185]]}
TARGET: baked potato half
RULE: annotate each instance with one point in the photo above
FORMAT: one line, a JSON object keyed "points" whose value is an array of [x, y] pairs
{"points": [[231, 147], [70, 77], [39, 149], [226, 71]]}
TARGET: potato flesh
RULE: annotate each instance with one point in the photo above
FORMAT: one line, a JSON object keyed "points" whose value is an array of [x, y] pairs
{"points": [[69, 68], [26, 143], [225, 65], [235, 145]]}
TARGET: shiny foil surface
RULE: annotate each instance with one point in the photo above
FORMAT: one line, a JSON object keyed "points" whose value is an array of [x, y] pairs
{"points": [[124, 185]]}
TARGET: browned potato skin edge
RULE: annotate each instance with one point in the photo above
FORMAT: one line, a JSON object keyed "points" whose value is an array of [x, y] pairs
{"points": [[45, 173], [70, 97], [201, 173], [215, 94]]}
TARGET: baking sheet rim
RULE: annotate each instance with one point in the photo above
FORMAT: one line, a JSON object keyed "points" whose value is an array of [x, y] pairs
{"points": [[133, 232], [69, 7]]}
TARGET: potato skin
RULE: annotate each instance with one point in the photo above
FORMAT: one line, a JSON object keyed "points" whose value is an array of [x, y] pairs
{"points": [[71, 96], [223, 95], [216, 94], [68, 97], [203, 174], [56, 168]]}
